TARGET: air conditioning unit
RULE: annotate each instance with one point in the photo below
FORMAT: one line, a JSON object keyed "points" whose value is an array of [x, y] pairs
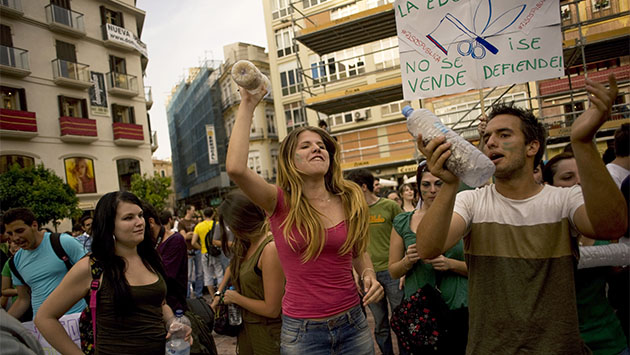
{"points": [[361, 115]]}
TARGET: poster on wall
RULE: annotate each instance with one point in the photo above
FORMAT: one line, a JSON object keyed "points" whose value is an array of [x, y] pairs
{"points": [[69, 322], [98, 94], [212, 144], [80, 174], [447, 47]]}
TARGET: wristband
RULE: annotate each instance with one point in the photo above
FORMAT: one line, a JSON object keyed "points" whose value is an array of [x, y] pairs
{"points": [[218, 293]]}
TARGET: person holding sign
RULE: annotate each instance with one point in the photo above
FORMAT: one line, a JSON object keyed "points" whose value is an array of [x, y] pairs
{"points": [[320, 226], [519, 240]]}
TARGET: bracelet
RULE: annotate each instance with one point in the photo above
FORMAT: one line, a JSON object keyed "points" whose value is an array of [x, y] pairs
{"points": [[363, 273]]}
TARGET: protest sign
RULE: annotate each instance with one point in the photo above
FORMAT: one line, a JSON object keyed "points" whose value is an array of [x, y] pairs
{"points": [[70, 323], [451, 46]]}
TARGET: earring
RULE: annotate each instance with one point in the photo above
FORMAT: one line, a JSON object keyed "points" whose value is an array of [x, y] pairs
{"points": [[113, 236]]}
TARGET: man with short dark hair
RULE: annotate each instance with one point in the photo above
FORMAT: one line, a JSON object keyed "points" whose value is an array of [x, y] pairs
{"points": [[382, 212], [619, 168], [86, 226], [172, 249], [520, 237], [36, 261]]}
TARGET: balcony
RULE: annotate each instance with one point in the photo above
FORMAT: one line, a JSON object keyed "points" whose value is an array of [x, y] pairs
{"points": [[11, 8], [128, 134], [17, 124], [120, 84], [559, 86], [154, 142], [357, 97], [77, 129], [360, 28], [148, 97], [71, 74], [65, 21], [14, 61]]}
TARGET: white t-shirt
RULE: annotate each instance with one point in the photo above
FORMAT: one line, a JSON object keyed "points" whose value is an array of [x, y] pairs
{"points": [[618, 173]]}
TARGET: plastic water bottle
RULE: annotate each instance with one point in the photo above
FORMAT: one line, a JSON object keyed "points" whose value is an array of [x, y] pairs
{"points": [[245, 74], [466, 161], [234, 313], [177, 344]]}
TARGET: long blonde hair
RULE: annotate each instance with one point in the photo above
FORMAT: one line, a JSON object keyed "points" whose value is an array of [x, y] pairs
{"points": [[304, 216]]}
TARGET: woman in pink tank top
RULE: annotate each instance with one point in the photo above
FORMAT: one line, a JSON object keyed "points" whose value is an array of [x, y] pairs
{"points": [[320, 225]]}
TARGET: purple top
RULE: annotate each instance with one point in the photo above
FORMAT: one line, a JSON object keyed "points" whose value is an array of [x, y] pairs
{"points": [[175, 260]]}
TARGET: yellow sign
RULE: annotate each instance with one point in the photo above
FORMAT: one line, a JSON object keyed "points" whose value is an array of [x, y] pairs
{"points": [[407, 168], [377, 161]]}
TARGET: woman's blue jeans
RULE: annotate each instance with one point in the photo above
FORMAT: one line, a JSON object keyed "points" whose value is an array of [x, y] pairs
{"points": [[347, 333]]}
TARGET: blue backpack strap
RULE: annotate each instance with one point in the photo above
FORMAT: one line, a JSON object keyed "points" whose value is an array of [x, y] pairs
{"points": [[15, 272], [55, 241]]}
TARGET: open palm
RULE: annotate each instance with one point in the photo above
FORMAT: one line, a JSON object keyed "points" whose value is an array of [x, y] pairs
{"points": [[602, 99]]}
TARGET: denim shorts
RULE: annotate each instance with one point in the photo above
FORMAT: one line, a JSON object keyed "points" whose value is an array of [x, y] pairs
{"points": [[347, 333]]}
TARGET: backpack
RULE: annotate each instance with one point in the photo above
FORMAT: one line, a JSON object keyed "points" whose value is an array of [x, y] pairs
{"points": [[55, 242], [213, 250], [202, 321], [87, 321]]}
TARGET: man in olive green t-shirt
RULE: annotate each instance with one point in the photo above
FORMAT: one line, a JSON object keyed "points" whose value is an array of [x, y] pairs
{"points": [[382, 213]]}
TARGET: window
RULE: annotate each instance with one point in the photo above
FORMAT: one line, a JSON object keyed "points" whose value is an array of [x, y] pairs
{"points": [[72, 107], [452, 114], [290, 79], [280, 8], [126, 168], [339, 65], [117, 65], [229, 124], [343, 11], [274, 163], [112, 17], [351, 116], [572, 113], [7, 161], [66, 51], [394, 107], [386, 53], [565, 12], [13, 99], [308, 3], [123, 114], [271, 121], [294, 115], [600, 5], [284, 42], [163, 173], [253, 161]]}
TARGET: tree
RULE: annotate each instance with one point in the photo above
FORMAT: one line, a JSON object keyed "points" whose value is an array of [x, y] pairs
{"points": [[154, 190], [40, 190]]}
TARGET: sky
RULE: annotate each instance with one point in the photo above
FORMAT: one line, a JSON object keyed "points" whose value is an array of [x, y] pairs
{"points": [[181, 34]]}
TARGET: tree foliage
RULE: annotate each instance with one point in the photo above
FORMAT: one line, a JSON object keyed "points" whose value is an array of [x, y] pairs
{"points": [[154, 190], [40, 190]]}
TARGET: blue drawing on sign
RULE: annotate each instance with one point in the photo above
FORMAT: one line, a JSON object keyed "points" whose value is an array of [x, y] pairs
{"points": [[484, 26]]}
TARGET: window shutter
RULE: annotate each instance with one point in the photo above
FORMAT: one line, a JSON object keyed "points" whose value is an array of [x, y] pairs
{"points": [[114, 115], [61, 99], [66, 51], [5, 36], [132, 115], [120, 16], [84, 110], [103, 17], [22, 99]]}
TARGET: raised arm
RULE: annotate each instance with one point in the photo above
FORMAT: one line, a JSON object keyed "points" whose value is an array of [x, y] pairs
{"points": [[254, 186], [74, 286], [599, 218], [440, 228]]}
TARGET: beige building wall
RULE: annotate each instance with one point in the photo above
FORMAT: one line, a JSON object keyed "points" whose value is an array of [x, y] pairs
{"points": [[31, 31]]}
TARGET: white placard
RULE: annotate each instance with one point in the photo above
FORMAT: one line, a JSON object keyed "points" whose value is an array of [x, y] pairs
{"points": [[70, 323], [452, 46], [123, 35], [212, 144]]}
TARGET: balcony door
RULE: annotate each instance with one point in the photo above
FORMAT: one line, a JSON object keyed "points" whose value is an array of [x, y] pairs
{"points": [[118, 67], [7, 55], [61, 12], [67, 59]]}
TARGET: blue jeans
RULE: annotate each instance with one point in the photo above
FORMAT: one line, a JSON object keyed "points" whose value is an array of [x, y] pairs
{"points": [[347, 333], [194, 266], [380, 312]]}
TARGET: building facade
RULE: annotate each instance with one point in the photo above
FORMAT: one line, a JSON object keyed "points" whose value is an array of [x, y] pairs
{"points": [[72, 92], [201, 114], [338, 61]]}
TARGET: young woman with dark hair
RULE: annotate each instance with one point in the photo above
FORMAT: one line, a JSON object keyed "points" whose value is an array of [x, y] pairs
{"points": [[131, 313], [255, 272]]}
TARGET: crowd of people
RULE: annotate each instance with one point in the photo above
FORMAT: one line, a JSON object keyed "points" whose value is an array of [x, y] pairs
{"points": [[304, 257]]}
